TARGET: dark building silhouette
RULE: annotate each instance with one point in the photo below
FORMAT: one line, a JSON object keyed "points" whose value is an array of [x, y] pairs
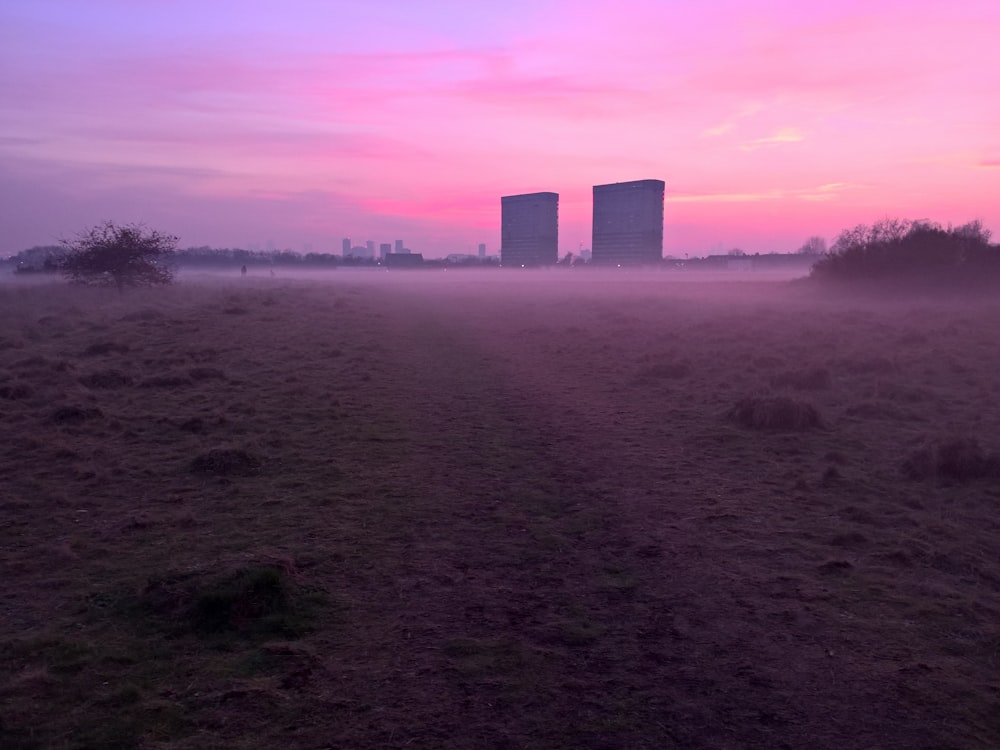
{"points": [[628, 222], [404, 260], [384, 249], [345, 246], [529, 229]]}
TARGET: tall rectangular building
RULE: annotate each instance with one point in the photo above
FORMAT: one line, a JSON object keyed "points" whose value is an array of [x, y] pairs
{"points": [[529, 229], [628, 222], [345, 246]]}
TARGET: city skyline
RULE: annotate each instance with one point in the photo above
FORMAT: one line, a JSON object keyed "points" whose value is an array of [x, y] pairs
{"points": [[306, 122]]}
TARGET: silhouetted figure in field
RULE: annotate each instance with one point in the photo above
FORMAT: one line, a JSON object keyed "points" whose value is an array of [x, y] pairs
{"points": [[243, 271]]}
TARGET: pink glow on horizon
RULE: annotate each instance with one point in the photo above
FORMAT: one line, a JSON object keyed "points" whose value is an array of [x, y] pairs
{"points": [[305, 122]]}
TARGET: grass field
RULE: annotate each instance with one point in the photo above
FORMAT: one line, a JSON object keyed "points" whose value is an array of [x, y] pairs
{"points": [[497, 511]]}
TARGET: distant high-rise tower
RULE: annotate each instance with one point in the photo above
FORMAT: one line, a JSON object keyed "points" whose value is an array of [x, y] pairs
{"points": [[529, 229], [482, 250], [628, 222], [345, 246], [384, 249], [399, 246], [370, 244]]}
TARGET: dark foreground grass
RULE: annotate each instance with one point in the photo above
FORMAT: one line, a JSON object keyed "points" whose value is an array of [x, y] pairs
{"points": [[343, 518]]}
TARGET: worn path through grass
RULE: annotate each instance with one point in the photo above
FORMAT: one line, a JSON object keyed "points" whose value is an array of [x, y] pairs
{"points": [[495, 521]]}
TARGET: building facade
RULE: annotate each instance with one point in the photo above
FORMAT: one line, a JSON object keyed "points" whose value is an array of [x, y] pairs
{"points": [[628, 223], [529, 229]]}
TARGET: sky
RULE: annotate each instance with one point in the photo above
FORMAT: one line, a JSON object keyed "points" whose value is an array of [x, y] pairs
{"points": [[296, 123]]}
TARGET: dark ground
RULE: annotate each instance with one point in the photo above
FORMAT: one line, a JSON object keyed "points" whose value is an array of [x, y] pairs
{"points": [[503, 515]]}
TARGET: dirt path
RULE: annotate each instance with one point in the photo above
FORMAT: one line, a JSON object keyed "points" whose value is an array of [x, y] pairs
{"points": [[564, 585], [532, 524]]}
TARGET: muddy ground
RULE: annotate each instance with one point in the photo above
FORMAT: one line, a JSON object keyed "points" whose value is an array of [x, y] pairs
{"points": [[497, 511]]}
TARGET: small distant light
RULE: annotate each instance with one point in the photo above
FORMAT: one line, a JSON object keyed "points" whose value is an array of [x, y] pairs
{"points": [[522, 265], [619, 265]]}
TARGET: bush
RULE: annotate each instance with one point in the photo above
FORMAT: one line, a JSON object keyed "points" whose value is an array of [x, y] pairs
{"points": [[957, 459], [911, 250], [120, 256], [775, 413]]}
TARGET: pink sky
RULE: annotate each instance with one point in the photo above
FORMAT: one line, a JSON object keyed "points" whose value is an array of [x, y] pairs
{"points": [[301, 122]]}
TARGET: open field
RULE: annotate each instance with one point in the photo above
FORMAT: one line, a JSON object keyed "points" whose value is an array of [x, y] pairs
{"points": [[497, 511]]}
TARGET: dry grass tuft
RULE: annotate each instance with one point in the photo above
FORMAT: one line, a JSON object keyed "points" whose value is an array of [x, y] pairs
{"points": [[206, 373], [774, 413], [146, 314], [957, 459], [165, 381], [16, 391], [74, 414], [107, 379], [226, 462], [100, 348]]}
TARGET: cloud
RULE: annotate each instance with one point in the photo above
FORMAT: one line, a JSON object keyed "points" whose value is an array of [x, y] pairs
{"points": [[824, 192], [785, 135]]}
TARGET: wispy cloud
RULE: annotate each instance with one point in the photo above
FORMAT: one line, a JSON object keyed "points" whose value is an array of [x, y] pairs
{"points": [[783, 136]]}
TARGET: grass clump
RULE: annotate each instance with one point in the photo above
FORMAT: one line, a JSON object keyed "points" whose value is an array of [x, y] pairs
{"points": [[226, 462], [958, 459], [106, 379], [100, 348], [774, 413], [74, 414], [255, 601]]}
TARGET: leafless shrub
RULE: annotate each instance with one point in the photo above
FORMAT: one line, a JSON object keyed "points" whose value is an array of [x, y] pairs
{"points": [[957, 459], [774, 413]]}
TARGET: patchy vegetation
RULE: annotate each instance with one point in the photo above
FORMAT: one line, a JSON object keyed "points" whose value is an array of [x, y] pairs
{"points": [[226, 462], [958, 459], [774, 413], [914, 252], [357, 519]]}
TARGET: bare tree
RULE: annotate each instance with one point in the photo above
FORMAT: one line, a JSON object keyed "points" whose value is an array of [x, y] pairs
{"points": [[119, 255], [815, 245]]}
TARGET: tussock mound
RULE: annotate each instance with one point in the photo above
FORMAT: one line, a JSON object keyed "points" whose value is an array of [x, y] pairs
{"points": [[959, 459], [107, 379], [15, 391], [99, 348], [165, 381], [74, 414], [258, 600], [206, 373], [774, 413], [226, 462]]}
